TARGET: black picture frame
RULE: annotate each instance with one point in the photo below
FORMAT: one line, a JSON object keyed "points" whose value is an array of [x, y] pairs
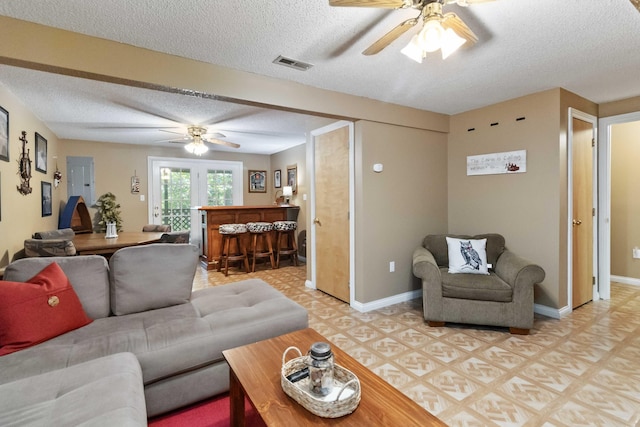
{"points": [[277, 178], [4, 134], [41, 153], [47, 202]]}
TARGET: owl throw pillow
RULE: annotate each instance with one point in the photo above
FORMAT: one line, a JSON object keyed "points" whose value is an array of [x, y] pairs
{"points": [[467, 256]]}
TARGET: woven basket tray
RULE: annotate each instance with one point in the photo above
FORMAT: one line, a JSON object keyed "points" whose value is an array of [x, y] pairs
{"points": [[345, 383]]}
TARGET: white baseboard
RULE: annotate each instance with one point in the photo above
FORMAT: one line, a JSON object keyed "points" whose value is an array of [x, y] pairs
{"points": [[408, 296], [625, 280], [554, 313], [384, 302]]}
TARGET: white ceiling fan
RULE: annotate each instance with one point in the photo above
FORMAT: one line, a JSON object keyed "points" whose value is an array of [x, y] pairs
{"points": [[198, 136], [441, 31]]}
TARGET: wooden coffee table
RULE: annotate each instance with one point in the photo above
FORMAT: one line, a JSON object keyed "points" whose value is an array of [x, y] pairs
{"points": [[255, 373]]}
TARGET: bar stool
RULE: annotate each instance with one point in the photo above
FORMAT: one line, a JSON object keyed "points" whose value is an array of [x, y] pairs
{"points": [[261, 237], [232, 232], [286, 229]]}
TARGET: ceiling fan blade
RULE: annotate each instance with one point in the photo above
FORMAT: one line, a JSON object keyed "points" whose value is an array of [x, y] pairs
{"points": [[636, 4], [221, 142], [171, 131], [391, 36], [185, 139], [451, 20], [214, 135], [466, 3], [389, 4]]}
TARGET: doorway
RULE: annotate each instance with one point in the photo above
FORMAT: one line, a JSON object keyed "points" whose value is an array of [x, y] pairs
{"points": [[80, 179], [332, 204], [178, 185], [604, 197]]}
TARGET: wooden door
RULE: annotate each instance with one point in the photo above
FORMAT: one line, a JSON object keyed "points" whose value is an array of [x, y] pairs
{"points": [[582, 223], [331, 219]]}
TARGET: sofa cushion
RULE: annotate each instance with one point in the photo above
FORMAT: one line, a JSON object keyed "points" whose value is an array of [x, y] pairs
{"points": [[49, 247], [437, 245], [63, 233], [475, 287], [467, 256], [89, 275], [170, 340], [151, 276], [42, 308], [104, 392]]}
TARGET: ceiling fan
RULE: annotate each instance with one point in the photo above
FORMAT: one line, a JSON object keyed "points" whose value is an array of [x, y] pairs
{"points": [[445, 32], [199, 136]]}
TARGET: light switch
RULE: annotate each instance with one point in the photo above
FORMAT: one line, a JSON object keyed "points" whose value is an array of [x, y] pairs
{"points": [[142, 197]]}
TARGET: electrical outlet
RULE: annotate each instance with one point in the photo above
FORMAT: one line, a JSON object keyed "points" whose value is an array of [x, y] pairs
{"points": [[636, 253], [392, 266]]}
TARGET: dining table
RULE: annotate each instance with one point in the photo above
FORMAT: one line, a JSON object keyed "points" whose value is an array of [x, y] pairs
{"points": [[98, 244]]}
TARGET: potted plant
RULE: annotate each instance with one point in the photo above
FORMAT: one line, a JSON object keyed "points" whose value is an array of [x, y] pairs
{"points": [[109, 215]]}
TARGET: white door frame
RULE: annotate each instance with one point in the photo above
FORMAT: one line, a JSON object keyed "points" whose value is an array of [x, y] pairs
{"points": [[577, 114], [312, 207], [604, 202]]}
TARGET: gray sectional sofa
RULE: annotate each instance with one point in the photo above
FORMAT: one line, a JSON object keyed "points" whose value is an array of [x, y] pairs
{"points": [[153, 345]]}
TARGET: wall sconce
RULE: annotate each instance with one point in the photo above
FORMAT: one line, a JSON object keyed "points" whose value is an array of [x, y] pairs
{"points": [[287, 191]]}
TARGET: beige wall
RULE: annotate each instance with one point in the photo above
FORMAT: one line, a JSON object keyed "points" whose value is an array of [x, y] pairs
{"points": [[625, 203], [295, 156], [623, 106], [529, 209], [521, 207], [396, 208], [22, 214]]}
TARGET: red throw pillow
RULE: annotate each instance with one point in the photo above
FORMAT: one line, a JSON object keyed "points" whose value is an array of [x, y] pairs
{"points": [[42, 308]]}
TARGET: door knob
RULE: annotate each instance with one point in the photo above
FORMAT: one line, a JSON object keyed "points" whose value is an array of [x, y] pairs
{"points": [[577, 222], [317, 221]]}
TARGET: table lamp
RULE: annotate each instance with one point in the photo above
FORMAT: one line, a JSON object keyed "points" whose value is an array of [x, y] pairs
{"points": [[287, 191]]}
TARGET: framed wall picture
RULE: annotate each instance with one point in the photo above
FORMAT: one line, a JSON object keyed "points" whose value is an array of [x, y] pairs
{"points": [[257, 181], [277, 175], [292, 177], [4, 134], [46, 198], [41, 153]]}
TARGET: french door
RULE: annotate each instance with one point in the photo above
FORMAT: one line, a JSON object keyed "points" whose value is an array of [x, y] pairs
{"points": [[179, 186]]}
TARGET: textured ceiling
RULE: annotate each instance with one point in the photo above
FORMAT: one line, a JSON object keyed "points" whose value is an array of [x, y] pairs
{"points": [[588, 47]]}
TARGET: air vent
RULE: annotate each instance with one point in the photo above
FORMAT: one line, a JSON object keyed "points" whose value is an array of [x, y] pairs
{"points": [[293, 63]]}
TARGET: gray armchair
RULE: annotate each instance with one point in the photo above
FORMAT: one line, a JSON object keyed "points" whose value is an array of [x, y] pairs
{"points": [[502, 298]]}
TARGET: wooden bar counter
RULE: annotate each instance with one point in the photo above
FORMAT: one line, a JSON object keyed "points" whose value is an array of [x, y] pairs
{"points": [[212, 216]]}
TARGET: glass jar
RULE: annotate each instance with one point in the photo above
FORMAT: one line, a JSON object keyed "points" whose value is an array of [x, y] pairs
{"points": [[321, 369]]}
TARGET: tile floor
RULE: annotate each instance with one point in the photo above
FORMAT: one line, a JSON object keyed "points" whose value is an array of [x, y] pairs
{"points": [[582, 370]]}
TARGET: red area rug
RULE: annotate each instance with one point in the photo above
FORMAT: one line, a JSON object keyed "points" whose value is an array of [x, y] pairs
{"points": [[209, 413]]}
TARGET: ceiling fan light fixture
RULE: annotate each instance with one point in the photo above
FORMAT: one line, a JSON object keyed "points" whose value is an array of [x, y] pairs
{"points": [[413, 50], [450, 42], [196, 147], [431, 35]]}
